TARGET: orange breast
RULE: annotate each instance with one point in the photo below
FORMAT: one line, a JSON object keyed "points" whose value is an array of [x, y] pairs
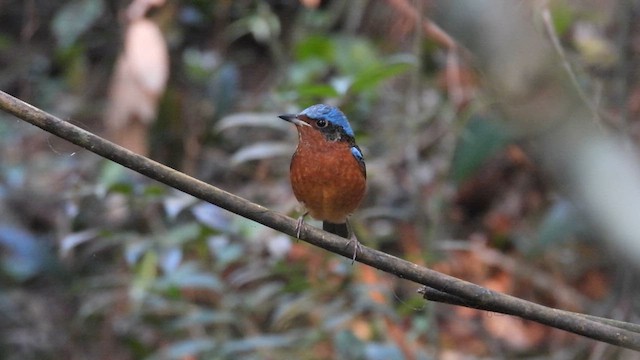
{"points": [[326, 177]]}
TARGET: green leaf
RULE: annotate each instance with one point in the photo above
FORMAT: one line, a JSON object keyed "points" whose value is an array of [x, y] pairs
{"points": [[113, 174], [74, 19], [145, 276], [155, 190], [307, 72], [371, 78], [563, 17], [480, 140], [320, 91], [315, 47], [353, 55]]}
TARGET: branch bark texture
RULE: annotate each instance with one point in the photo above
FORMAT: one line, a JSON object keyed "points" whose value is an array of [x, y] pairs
{"points": [[476, 295]]}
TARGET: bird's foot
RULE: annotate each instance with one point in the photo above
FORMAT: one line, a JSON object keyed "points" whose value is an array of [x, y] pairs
{"points": [[299, 225], [356, 247]]}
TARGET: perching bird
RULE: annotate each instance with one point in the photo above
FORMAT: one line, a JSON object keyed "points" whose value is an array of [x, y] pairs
{"points": [[328, 174]]}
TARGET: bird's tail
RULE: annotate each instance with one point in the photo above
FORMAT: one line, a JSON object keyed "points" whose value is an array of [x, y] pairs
{"points": [[338, 229]]}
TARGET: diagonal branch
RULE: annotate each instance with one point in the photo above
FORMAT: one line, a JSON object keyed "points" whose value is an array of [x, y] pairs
{"points": [[469, 293], [439, 296]]}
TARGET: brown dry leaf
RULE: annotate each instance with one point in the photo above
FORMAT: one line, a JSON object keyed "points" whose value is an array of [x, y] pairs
{"points": [[312, 4], [515, 332], [595, 284], [510, 330], [147, 56], [138, 82], [467, 265], [139, 8], [499, 224], [399, 336], [459, 80], [410, 242], [361, 328], [501, 281], [374, 282], [462, 335]]}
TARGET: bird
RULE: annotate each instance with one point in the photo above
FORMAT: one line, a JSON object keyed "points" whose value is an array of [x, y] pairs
{"points": [[327, 172]]}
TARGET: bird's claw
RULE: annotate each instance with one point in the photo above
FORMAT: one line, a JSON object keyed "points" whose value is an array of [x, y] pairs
{"points": [[299, 225], [356, 247]]}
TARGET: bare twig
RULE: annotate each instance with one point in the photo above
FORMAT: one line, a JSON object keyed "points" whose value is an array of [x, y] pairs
{"points": [[431, 29], [545, 13], [476, 295], [439, 296]]}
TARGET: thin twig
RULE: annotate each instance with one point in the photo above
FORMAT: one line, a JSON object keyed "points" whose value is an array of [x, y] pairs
{"points": [[439, 296], [545, 13], [479, 296]]}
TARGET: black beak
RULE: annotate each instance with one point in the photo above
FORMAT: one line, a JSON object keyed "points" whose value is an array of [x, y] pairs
{"points": [[293, 118], [289, 117]]}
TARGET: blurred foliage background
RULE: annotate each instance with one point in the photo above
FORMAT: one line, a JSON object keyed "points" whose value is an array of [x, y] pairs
{"points": [[98, 262]]}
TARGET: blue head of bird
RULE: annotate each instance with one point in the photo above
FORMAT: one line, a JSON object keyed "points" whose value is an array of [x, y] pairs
{"points": [[326, 119]]}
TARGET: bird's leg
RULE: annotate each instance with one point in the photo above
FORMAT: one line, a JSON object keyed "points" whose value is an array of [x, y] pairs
{"points": [[353, 239], [299, 224]]}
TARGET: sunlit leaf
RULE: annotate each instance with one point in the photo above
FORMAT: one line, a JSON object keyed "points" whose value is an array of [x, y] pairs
{"points": [[204, 317], [259, 342], [181, 234], [279, 246], [224, 250], [379, 351], [212, 216], [186, 349], [176, 203], [188, 275], [70, 241], [265, 293], [251, 119], [261, 150], [170, 258], [289, 308], [134, 250], [22, 256]]}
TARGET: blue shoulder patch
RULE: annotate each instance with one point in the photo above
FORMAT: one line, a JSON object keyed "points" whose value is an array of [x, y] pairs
{"points": [[357, 153], [331, 114]]}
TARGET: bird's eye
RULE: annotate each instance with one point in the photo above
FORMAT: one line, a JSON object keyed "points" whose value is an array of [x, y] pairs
{"points": [[322, 123]]}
